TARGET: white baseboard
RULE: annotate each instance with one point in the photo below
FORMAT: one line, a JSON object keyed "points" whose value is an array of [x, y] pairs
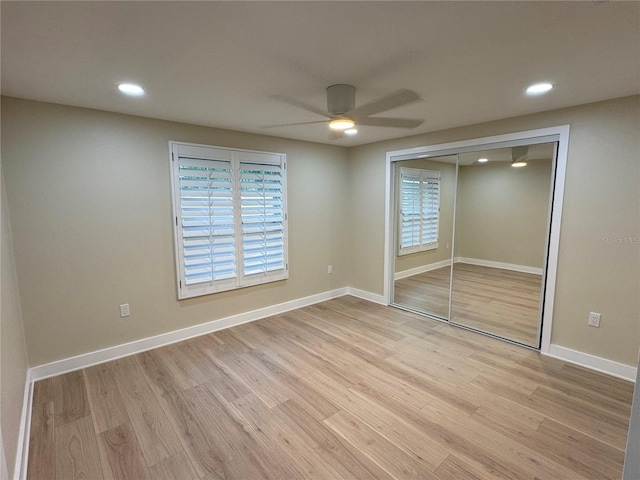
{"points": [[372, 297], [592, 362], [472, 261], [504, 266], [22, 452], [112, 353], [421, 269]]}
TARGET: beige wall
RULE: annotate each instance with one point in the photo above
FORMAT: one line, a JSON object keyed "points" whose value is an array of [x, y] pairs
{"points": [[502, 212], [13, 352], [92, 225], [596, 270], [89, 235], [447, 194]]}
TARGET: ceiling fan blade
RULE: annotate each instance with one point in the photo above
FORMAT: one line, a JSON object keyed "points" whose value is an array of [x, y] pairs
{"points": [[299, 104], [293, 124], [390, 122], [397, 99]]}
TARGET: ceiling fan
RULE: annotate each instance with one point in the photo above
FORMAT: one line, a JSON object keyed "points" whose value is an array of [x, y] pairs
{"points": [[343, 115], [520, 156]]}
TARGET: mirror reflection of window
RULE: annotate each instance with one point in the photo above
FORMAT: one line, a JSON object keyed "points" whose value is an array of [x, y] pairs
{"points": [[419, 210], [425, 190]]}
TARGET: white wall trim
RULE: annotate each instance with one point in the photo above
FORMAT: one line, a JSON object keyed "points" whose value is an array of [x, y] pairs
{"points": [[471, 261], [505, 266], [599, 364], [372, 297], [137, 346], [553, 249], [22, 452], [421, 269], [112, 353]]}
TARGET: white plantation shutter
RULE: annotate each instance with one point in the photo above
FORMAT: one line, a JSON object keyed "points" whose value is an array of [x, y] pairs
{"points": [[230, 218], [419, 210], [262, 205], [206, 211]]}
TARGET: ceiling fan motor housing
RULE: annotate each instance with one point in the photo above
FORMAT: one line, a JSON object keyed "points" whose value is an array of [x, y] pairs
{"points": [[518, 153], [341, 98]]}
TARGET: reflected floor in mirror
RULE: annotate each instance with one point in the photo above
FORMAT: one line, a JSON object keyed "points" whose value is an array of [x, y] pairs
{"points": [[426, 292], [502, 302]]}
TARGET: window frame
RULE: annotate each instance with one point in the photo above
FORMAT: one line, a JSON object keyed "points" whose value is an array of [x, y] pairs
{"points": [[235, 157], [422, 174]]}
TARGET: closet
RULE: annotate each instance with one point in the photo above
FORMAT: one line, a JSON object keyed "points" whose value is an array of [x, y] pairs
{"points": [[470, 234]]}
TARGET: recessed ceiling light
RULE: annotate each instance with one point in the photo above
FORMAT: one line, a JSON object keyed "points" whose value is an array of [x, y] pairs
{"points": [[483, 160], [519, 163], [538, 88], [341, 124], [131, 89], [351, 131]]}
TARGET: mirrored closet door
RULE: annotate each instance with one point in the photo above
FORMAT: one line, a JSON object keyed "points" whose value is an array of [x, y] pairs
{"points": [[502, 222], [471, 233], [425, 203]]}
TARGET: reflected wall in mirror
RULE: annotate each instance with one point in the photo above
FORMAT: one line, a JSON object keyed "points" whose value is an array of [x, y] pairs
{"points": [[501, 236], [425, 199]]}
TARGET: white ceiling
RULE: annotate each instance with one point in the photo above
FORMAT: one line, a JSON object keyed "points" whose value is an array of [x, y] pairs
{"points": [[220, 63]]}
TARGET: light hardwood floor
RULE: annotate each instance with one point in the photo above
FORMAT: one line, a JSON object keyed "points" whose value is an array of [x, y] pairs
{"points": [[502, 302], [341, 389]]}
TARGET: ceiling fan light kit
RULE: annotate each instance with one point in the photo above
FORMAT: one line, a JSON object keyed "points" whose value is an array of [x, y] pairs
{"points": [[519, 156], [341, 124], [344, 115]]}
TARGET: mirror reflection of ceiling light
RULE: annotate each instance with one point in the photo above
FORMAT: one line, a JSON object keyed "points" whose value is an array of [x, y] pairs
{"points": [[483, 160], [131, 89], [539, 88], [519, 156], [351, 131], [341, 124]]}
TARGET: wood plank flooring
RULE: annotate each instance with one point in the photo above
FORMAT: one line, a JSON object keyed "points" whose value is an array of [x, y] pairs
{"points": [[493, 300], [344, 389]]}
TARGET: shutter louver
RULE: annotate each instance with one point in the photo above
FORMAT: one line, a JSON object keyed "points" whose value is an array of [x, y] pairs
{"points": [[419, 210], [430, 209], [206, 211], [262, 206]]}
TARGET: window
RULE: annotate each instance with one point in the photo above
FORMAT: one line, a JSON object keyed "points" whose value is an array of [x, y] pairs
{"points": [[230, 209], [419, 210]]}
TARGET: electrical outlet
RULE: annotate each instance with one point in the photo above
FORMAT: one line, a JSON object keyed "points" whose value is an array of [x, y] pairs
{"points": [[330, 269], [124, 310], [594, 319]]}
